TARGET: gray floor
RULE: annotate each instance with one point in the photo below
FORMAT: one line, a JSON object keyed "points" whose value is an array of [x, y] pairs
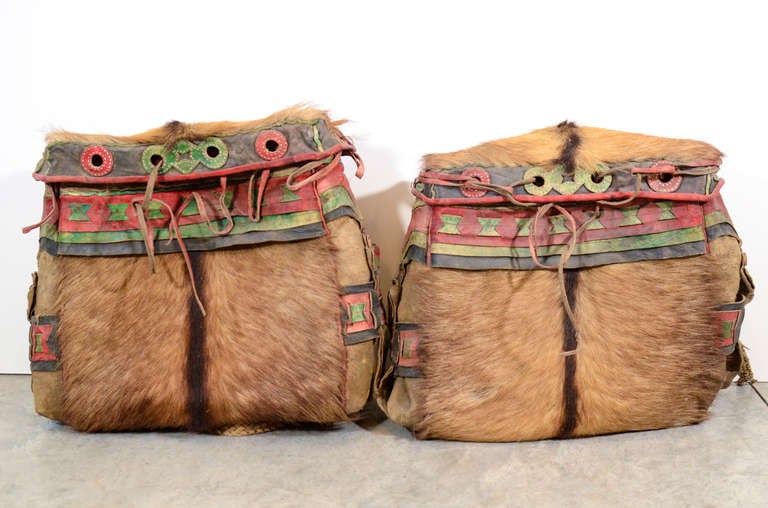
{"points": [[721, 462]]}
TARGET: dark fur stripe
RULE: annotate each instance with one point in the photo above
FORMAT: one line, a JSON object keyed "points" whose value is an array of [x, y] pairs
{"points": [[197, 405], [568, 155], [570, 394]]}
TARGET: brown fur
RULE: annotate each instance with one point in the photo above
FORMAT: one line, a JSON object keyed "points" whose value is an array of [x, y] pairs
{"points": [[491, 362], [123, 336], [174, 131], [274, 351], [544, 147], [648, 355]]}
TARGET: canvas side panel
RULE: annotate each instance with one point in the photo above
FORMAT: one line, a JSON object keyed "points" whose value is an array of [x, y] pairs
{"points": [[648, 353], [273, 348], [353, 269], [124, 334], [490, 354]]}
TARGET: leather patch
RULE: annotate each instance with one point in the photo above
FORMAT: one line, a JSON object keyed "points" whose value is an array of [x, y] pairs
{"points": [[44, 343], [361, 313], [728, 319], [406, 349]]}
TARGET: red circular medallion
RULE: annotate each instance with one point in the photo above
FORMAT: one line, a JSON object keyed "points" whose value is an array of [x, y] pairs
{"points": [[664, 182], [271, 145], [96, 160], [478, 175]]}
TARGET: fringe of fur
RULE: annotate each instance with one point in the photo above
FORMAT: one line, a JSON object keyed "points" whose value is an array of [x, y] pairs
{"points": [[174, 131], [548, 148]]}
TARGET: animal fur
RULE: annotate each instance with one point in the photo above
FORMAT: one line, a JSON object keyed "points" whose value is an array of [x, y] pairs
{"points": [[174, 131], [273, 347], [586, 147], [123, 336], [490, 353], [492, 340], [648, 355]]}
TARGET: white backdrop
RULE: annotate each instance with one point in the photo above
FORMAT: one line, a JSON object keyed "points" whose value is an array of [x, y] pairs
{"points": [[412, 78]]}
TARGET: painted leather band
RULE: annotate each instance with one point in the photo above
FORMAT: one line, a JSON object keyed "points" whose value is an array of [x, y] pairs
{"points": [[362, 315]]}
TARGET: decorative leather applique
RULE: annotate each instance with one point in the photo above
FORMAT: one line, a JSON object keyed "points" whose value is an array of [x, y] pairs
{"points": [[97, 160], [361, 313], [211, 153], [44, 343], [271, 145]]}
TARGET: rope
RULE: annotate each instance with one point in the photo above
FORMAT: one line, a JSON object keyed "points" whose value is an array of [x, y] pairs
{"points": [[564, 257], [325, 166], [141, 206]]}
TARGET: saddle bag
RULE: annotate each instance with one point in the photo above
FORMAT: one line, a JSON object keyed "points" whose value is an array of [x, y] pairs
{"points": [[569, 282], [211, 277]]}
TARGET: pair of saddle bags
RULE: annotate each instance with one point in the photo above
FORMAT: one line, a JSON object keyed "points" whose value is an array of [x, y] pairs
{"points": [[217, 278]]}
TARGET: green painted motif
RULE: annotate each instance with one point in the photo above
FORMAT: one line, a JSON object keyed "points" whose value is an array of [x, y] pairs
{"points": [[405, 350], [546, 181], [523, 227], [630, 216], [117, 211], [666, 210], [716, 217], [288, 195], [357, 313], [488, 225], [155, 210], [185, 156], [316, 138], [450, 224], [623, 244], [595, 224], [727, 329], [39, 343], [558, 225], [79, 211], [242, 225], [191, 209], [335, 198]]}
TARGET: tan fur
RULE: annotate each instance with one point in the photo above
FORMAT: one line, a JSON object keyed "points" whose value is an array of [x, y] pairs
{"points": [[174, 131], [542, 147], [274, 351], [648, 355], [491, 363], [123, 334]]}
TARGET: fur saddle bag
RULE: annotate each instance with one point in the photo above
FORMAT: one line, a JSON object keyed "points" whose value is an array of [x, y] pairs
{"points": [[211, 277], [568, 282]]}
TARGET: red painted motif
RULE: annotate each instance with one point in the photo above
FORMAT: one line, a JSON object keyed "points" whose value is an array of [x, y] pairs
{"points": [[727, 316], [97, 160], [39, 350], [479, 174], [271, 145], [409, 348], [359, 299]]}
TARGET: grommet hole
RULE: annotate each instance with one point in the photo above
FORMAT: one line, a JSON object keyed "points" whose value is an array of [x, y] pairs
{"points": [[538, 181], [212, 152], [665, 177], [97, 160], [156, 159], [272, 145], [597, 178]]}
